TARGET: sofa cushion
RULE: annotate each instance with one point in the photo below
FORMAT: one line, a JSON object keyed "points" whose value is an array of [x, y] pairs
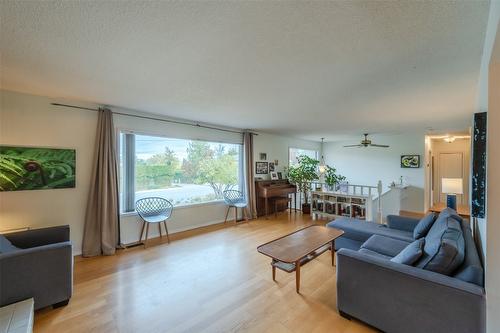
{"points": [[360, 230], [471, 270], [410, 254], [424, 225], [6, 246], [444, 248], [384, 245], [374, 254], [347, 243]]}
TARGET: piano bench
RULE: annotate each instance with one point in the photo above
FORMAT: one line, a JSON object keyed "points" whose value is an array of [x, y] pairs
{"points": [[280, 201]]}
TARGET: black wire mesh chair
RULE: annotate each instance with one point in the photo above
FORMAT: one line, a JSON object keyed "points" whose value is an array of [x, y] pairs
{"points": [[236, 199], [153, 210]]}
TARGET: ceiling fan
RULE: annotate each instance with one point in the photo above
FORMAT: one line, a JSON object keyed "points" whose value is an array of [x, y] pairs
{"points": [[367, 143]]}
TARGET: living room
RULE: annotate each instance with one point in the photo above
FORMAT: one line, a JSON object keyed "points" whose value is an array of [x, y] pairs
{"points": [[257, 136]]}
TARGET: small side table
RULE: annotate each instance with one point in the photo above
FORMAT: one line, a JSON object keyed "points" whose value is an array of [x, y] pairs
{"points": [[462, 210]]}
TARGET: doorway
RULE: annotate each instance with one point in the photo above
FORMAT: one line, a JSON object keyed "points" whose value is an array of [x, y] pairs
{"points": [[448, 157]]}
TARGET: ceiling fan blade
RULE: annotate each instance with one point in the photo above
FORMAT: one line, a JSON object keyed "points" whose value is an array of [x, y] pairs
{"points": [[381, 146], [348, 146]]}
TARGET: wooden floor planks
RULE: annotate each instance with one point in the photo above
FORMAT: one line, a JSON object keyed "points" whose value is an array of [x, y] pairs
{"points": [[210, 279]]}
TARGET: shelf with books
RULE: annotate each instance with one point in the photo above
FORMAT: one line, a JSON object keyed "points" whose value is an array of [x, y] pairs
{"points": [[334, 204]]}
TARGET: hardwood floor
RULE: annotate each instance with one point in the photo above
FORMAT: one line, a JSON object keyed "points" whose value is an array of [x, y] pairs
{"points": [[206, 280]]}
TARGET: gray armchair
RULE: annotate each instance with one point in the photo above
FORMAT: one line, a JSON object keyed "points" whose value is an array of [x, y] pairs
{"points": [[41, 267]]}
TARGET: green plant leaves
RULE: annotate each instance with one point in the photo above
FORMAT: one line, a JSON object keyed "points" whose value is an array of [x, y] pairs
{"points": [[27, 168]]}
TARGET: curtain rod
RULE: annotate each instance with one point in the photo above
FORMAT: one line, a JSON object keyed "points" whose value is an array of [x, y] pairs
{"points": [[153, 118]]}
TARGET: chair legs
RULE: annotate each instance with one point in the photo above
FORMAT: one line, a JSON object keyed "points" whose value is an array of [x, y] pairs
{"points": [[244, 213], [142, 231], [166, 231], [227, 213], [147, 231], [145, 226]]}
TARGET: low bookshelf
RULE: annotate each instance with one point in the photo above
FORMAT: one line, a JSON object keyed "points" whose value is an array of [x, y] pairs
{"points": [[337, 204]]}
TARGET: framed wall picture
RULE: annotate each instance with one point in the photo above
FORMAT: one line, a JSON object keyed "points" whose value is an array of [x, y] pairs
{"points": [[274, 176], [280, 175], [261, 168], [410, 161], [262, 156], [271, 166], [33, 168]]}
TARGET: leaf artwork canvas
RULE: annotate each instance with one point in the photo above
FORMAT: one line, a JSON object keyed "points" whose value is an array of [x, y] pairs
{"points": [[30, 168], [410, 161]]}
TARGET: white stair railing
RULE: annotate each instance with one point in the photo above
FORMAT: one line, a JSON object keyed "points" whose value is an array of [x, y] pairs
{"points": [[355, 189]]}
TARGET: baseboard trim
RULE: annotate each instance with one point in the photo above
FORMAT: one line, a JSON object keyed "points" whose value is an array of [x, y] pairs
{"points": [[178, 234]]}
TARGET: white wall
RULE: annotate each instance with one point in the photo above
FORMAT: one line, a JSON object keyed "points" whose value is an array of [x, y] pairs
{"points": [[29, 120], [366, 166], [276, 148], [482, 98], [493, 188]]}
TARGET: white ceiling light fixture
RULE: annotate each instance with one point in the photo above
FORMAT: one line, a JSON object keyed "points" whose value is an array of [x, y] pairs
{"points": [[449, 139], [322, 165]]}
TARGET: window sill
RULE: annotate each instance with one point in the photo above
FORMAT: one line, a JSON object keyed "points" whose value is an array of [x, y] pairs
{"points": [[195, 205]]}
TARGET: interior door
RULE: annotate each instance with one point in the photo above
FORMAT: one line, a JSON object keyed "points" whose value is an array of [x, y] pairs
{"points": [[451, 165]]}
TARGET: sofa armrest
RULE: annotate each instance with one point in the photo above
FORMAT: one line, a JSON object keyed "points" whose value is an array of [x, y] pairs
{"points": [[402, 222], [400, 298], [39, 237], [44, 273]]}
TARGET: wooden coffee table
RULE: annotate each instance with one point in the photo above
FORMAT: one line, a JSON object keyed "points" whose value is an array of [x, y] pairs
{"points": [[294, 250]]}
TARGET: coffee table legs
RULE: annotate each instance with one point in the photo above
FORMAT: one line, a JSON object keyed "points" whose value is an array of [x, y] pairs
{"points": [[298, 266], [297, 276], [333, 252]]}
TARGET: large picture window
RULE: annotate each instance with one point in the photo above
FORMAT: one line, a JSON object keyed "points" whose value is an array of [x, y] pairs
{"points": [[293, 153], [184, 172]]}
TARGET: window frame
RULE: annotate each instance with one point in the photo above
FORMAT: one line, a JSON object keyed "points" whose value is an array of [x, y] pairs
{"points": [[293, 147], [127, 201]]}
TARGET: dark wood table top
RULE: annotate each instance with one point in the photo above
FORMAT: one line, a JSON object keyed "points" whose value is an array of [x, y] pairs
{"points": [[292, 247], [462, 210]]}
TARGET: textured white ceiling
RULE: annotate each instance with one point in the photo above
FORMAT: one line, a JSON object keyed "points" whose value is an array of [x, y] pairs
{"points": [[308, 69]]}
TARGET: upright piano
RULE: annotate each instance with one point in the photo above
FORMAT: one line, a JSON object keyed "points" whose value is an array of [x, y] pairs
{"points": [[267, 189]]}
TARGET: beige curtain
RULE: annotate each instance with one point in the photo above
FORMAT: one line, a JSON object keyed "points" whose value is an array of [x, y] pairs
{"points": [[101, 219], [249, 174]]}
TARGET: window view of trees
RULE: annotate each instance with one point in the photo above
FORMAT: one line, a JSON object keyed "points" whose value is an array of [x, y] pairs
{"points": [[295, 153], [185, 171]]}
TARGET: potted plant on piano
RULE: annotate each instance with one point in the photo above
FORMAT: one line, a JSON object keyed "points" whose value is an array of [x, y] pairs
{"points": [[302, 174], [332, 178]]}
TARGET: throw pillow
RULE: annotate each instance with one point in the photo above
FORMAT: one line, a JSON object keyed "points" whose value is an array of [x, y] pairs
{"points": [[6, 246], [411, 253], [424, 225], [450, 254]]}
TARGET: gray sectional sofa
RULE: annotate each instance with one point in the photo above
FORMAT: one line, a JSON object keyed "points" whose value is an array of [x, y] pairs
{"points": [[36, 263], [438, 289]]}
